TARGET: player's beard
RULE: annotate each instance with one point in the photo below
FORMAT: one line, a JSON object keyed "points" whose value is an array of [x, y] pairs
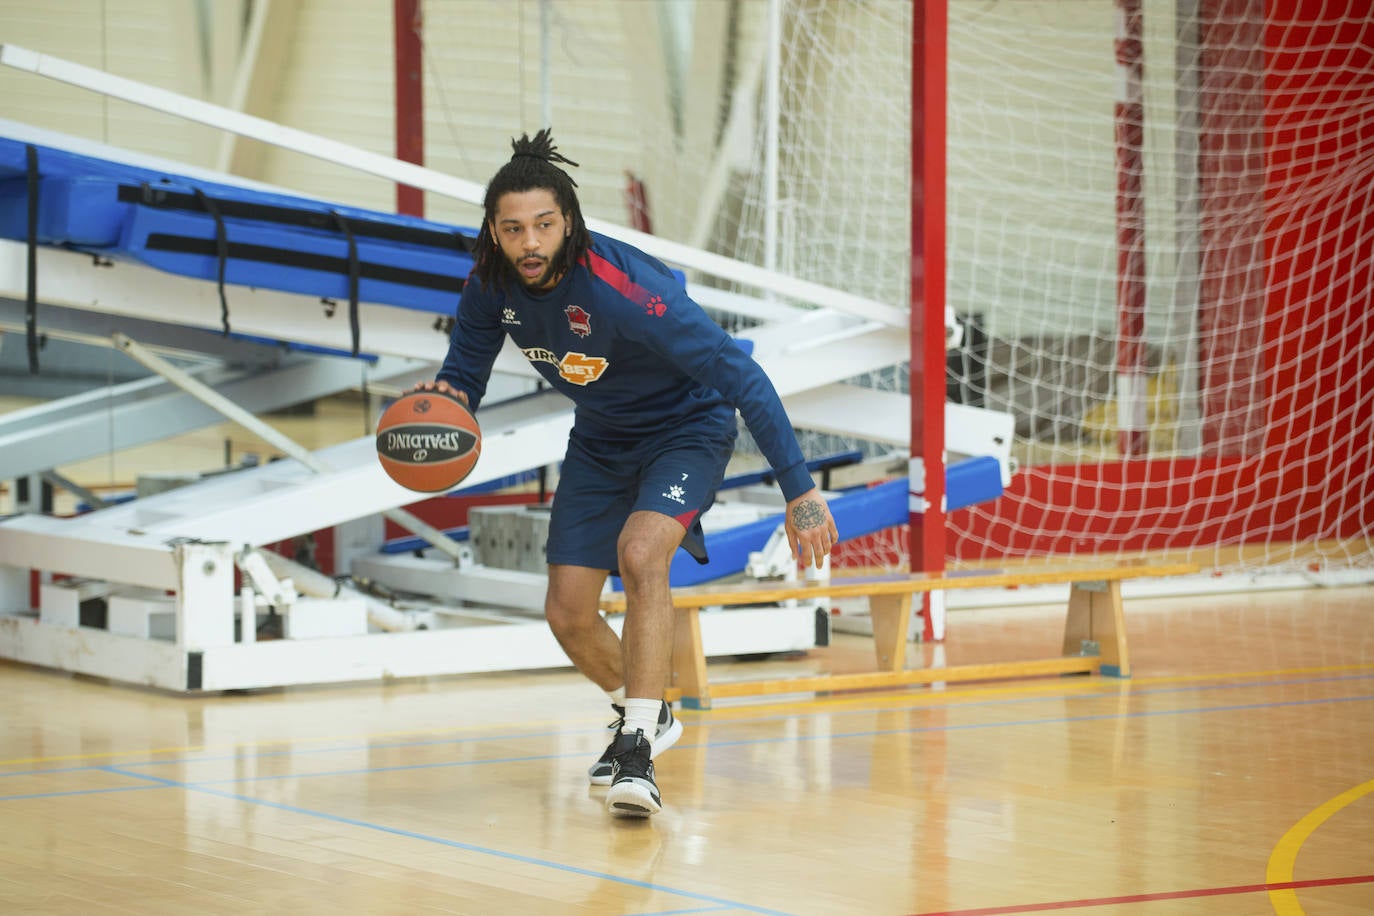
{"points": [[545, 279]]}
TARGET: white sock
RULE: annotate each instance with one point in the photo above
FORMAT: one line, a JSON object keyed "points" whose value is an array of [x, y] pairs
{"points": [[617, 695], [641, 715]]}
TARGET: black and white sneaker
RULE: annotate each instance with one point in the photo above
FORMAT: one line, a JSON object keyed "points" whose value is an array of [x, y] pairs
{"points": [[633, 792], [667, 732]]}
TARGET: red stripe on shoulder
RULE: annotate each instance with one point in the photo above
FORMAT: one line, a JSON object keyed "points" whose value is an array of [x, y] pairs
{"points": [[607, 272]]}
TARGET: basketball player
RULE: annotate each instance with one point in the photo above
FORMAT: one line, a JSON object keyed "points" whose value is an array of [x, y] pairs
{"points": [[656, 384]]}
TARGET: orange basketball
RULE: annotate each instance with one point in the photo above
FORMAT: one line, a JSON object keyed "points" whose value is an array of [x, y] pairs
{"points": [[428, 441]]}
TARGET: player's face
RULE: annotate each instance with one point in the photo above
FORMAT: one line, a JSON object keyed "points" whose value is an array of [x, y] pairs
{"points": [[531, 230]]}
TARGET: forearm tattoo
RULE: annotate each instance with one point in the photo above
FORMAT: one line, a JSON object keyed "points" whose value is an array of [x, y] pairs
{"points": [[807, 515]]}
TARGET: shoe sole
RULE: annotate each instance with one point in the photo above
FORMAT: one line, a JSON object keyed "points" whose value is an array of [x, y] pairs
{"points": [[629, 799]]}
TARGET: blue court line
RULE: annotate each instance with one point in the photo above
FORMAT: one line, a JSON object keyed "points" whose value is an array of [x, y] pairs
{"points": [[720, 902], [830, 736], [508, 736], [78, 791]]}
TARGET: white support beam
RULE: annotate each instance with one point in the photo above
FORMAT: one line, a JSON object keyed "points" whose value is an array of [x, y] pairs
{"points": [[516, 646], [485, 585], [844, 356], [485, 646], [55, 545], [885, 416], [56, 433], [848, 410], [268, 504], [83, 650]]}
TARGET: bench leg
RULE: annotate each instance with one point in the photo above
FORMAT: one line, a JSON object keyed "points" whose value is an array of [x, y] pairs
{"points": [[891, 616], [1095, 616], [689, 661]]}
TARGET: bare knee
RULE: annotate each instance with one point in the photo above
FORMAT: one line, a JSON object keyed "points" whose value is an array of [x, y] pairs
{"points": [[571, 604], [642, 563], [570, 619]]}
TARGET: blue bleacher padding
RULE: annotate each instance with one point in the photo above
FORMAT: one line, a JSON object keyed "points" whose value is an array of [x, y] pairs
{"points": [[972, 480], [273, 241]]}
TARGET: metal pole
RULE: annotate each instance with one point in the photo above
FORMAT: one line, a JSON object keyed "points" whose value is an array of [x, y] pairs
{"points": [[1131, 369], [408, 52], [929, 91], [772, 104], [232, 411]]}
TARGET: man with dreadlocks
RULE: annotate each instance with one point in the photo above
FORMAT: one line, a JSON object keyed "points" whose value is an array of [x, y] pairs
{"points": [[656, 384]]}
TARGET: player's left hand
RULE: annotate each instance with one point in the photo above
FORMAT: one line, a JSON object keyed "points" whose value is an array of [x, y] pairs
{"points": [[811, 532]]}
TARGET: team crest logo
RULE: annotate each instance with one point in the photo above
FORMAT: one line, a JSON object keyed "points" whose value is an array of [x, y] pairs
{"points": [[579, 322]]}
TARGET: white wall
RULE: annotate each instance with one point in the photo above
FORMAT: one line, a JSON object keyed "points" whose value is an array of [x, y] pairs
{"points": [[156, 41]]}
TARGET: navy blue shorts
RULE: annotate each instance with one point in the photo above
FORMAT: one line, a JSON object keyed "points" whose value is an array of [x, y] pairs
{"points": [[602, 482]]}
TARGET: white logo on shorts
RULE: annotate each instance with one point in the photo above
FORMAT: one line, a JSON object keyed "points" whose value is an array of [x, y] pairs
{"points": [[676, 494]]}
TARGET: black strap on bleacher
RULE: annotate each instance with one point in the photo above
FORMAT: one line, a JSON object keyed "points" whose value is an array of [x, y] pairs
{"points": [[282, 257], [31, 288], [353, 273], [221, 253], [352, 226], [165, 199]]}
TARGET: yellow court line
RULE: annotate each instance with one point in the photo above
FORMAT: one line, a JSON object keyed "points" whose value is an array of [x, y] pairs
{"points": [[1280, 870], [886, 700]]}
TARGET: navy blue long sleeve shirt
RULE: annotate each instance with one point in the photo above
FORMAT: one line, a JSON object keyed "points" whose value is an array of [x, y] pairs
{"points": [[621, 338]]}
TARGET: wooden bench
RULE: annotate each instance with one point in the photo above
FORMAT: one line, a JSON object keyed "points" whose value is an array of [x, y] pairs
{"points": [[1094, 628]]}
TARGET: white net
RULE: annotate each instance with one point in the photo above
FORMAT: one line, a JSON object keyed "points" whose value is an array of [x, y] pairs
{"points": [[1159, 239], [1160, 230], [1159, 235]]}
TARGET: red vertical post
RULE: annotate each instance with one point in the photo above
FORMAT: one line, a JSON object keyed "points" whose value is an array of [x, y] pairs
{"points": [[637, 203], [1131, 369], [929, 43], [410, 99]]}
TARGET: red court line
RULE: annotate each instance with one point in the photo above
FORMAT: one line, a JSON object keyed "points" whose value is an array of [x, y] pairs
{"points": [[1148, 898]]}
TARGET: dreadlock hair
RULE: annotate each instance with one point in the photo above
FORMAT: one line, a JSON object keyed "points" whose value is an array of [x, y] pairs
{"points": [[531, 167]]}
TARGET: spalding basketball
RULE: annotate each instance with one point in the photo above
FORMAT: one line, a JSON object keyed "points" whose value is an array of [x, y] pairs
{"points": [[428, 441]]}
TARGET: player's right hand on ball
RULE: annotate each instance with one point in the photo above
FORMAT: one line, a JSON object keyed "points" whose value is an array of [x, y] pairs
{"points": [[443, 388]]}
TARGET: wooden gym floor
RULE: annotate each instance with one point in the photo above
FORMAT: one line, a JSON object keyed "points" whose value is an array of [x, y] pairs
{"points": [[1234, 774]]}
